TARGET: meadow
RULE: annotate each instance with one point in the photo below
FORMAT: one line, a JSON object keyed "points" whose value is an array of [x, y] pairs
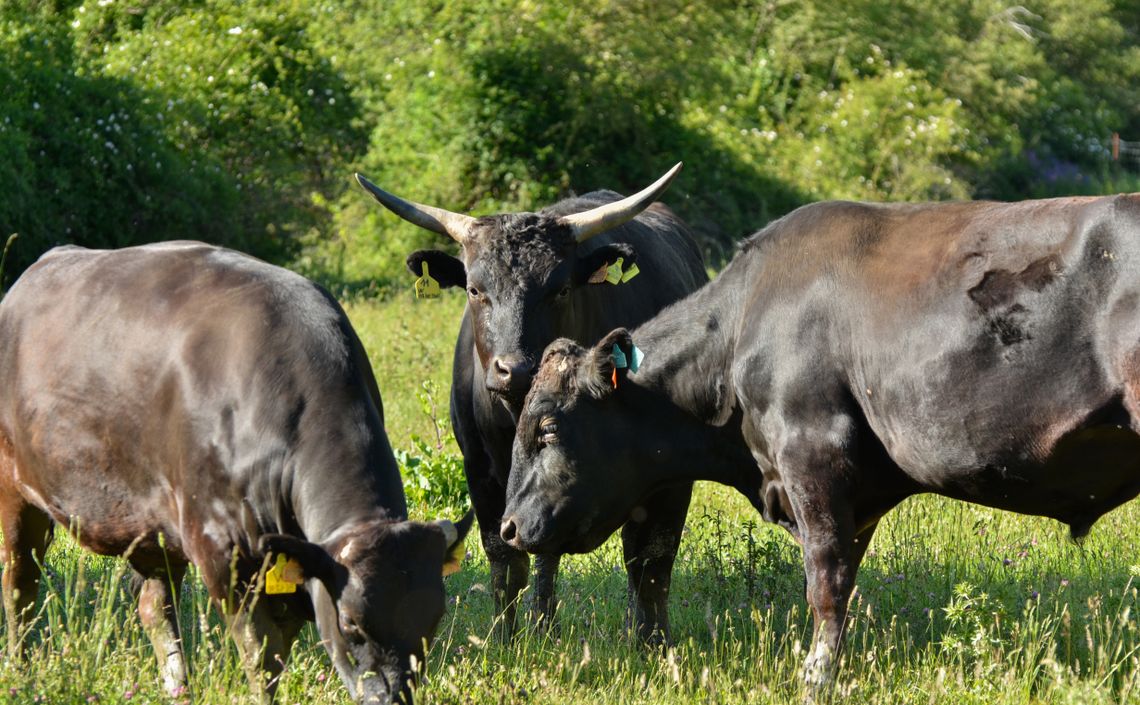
{"points": [[955, 603]]}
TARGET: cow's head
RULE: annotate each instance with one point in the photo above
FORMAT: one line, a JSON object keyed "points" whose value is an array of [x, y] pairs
{"points": [[520, 271], [574, 466], [384, 581]]}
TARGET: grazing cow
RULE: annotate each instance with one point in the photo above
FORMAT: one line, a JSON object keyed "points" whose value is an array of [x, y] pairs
{"points": [[852, 355], [181, 403], [530, 278]]}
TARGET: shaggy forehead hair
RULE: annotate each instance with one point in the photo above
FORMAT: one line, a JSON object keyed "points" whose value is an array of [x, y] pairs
{"points": [[558, 373], [530, 242]]}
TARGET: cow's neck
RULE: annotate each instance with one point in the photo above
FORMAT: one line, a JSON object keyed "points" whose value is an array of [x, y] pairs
{"points": [[355, 485], [688, 351]]}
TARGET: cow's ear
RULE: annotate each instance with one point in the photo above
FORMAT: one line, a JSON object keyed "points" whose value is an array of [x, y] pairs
{"points": [[591, 268], [455, 535], [444, 268], [314, 560], [603, 374]]}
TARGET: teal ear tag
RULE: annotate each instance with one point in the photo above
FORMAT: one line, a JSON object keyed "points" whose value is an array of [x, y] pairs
{"points": [[635, 359], [426, 287], [613, 272], [619, 358], [630, 273]]}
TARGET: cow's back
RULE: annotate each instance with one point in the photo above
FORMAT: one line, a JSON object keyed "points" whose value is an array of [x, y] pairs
{"points": [[172, 388], [955, 327]]}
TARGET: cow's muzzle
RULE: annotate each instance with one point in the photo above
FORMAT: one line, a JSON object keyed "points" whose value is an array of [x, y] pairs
{"points": [[510, 377]]}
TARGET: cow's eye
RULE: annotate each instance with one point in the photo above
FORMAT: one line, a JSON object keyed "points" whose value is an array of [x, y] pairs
{"points": [[472, 292], [547, 431], [563, 293]]}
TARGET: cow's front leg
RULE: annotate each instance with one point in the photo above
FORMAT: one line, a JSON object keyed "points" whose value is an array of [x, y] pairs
{"points": [[509, 568], [545, 599], [263, 644], [650, 540], [833, 550], [159, 616]]}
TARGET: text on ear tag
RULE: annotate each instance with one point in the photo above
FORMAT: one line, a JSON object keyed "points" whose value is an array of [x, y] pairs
{"points": [[426, 286], [284, 576], [613, 272]]}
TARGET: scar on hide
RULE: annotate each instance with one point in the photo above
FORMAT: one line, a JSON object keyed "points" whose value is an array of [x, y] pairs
{"points": [[997, 293]]}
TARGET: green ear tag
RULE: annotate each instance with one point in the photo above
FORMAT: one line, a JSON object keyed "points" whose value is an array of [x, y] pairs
{"points": [[630, 273], [619, 358], [635, 359], [613, 272], [283, 577], [426, 287]]}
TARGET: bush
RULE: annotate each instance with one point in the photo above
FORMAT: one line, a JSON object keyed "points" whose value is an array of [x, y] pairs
{"points": [[221, 121], [84, 160]]}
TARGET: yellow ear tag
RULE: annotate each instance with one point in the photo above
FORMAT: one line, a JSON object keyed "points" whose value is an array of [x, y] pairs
{"points": [[426, 287], [613, 272], [630, 273], [284, 576], [453, 558]]}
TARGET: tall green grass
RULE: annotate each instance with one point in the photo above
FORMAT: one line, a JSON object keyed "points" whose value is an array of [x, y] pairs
{"points": [[955, 603]]}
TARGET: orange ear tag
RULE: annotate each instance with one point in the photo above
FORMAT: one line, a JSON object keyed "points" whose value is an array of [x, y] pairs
{"points": [[615, 378]]}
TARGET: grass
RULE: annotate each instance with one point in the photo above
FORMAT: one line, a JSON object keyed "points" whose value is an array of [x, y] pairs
{"points": [[955, 603]]}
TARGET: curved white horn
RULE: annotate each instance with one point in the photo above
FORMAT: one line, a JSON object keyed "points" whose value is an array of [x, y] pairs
{"points": [[450, 533], [598, 220], [457, 226]]}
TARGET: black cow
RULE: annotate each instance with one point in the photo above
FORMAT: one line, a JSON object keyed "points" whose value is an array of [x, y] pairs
{"points": [[852, 355], [531, 277], [182, 403]]}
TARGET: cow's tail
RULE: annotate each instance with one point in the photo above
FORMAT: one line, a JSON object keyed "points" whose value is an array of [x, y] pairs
{"points": [[4, 260]]}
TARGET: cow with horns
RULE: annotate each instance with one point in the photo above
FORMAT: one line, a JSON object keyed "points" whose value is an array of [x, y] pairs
{"points": [[530, 278], [181, 403], [852, 355]]}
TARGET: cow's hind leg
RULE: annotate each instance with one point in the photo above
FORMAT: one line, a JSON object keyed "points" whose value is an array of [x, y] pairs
{"points": [[650, 541], [158, 613], [27, 534]]}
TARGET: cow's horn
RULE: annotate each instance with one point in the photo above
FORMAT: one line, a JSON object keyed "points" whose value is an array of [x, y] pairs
{"points": [[598, 220], [457, 226], [450, 533]]}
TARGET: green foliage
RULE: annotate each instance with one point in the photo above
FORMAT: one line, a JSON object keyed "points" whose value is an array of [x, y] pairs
{"points": [[218, 120], [973, 623], [82, 161], [242, 122], [433, 477], [433, 474]]}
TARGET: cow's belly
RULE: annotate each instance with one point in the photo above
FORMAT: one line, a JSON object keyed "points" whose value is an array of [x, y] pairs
{"points": [[1087, 473], [104, 511]]}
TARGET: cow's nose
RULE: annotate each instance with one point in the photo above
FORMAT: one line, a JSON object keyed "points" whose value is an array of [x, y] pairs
{"points": [[511, 371], [508, 531]]}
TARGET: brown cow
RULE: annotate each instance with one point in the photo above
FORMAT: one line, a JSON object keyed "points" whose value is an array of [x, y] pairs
{"points": [[182, 403]]}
